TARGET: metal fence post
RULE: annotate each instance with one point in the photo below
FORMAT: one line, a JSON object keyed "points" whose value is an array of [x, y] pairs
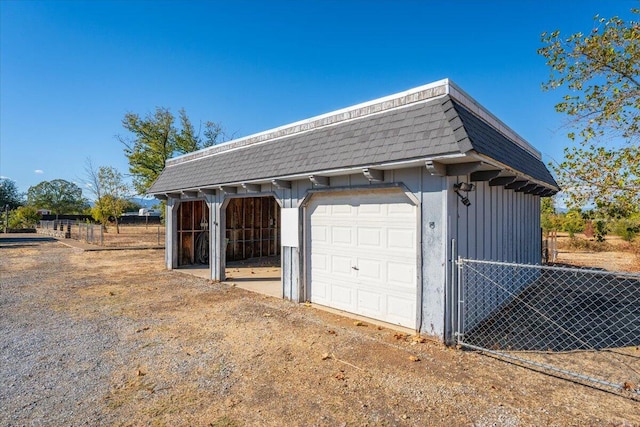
{"points": [[461, 297]]}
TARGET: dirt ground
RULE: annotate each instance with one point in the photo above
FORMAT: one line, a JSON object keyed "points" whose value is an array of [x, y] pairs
{"points": [[621, 257], [135, 235], [112, 338]]}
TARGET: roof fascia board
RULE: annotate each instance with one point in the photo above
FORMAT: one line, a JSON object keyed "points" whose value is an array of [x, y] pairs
{"points": [[330, 172]]}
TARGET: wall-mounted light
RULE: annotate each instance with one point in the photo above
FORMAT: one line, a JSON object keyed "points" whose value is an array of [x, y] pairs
{"points": [[466, 187], [465, 200], [463, 186]]}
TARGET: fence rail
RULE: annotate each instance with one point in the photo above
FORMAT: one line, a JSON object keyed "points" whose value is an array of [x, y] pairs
{"points": [[583, 324], [146, 235], [70, 229]]}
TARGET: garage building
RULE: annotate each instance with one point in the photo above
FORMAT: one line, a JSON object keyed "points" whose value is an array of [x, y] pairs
{"points": [[364, 206]]}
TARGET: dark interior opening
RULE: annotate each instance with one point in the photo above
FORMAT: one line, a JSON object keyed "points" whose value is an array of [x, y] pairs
{"points": [[193, 233], [253, 229]]}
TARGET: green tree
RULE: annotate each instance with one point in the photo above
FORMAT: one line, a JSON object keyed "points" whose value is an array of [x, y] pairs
{"points": [[573, 223], [131, 206], [24, 217], [155, 139], [628, 228], [600, 72], [548, 217], [58, 196], [111, 193], [9, 194]]}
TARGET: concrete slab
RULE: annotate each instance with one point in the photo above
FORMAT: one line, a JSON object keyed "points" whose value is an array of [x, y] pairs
{"points": [[263, 280]]}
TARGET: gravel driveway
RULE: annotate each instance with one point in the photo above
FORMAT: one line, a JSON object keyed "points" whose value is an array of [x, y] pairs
{"points": [[111, 338]]}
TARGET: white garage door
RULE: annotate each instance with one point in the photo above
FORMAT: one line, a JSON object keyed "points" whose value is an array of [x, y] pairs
{"points": [[363, 254]]}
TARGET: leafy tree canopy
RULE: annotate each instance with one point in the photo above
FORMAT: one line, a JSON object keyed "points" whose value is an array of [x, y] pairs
{"points": [[600, 72], [156, 138], [58, 196], [9, 194], [110, 190]]}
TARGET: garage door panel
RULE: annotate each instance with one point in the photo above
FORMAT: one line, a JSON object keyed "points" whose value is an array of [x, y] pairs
{"points": [[370, 209], [401, 310], [341, 210], [375, 233], [401, 274], [342, 296], [319, 234], [369, 236], [369, 269], [341, 265], [320, 291], [369, 303], [401, 210], [320, 262], [342, 235], [402, 239], [322, 209]]}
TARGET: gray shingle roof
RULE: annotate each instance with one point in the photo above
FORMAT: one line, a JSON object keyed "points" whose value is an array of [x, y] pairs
{"points": [[412, 132], [488, 141]]}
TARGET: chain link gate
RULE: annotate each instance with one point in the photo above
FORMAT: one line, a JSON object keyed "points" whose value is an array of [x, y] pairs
{"points": [[580, 324]]}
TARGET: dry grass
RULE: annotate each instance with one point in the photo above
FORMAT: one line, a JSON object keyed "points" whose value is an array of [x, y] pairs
{"points": [[135, 235], [192, 352], [614, 255]]}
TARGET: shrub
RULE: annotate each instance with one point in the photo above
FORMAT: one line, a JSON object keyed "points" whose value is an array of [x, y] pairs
{"points": [[628, 228], [24, 217], [578, 244]]}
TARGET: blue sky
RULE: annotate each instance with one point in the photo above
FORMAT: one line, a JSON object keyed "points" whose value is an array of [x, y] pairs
{"points": [[70, 70]]}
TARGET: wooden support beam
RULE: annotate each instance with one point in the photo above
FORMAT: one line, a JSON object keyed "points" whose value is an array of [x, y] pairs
{"points": [[281, 184], [436, 168], [227, 189], [322, 181], [253, 188], [190, 193], [526, 188], [373, 174], [502, 180], [208, 191], [463, 168], [174, 195], [161, 196], [485, 175], [516, 184], [538, 190]]}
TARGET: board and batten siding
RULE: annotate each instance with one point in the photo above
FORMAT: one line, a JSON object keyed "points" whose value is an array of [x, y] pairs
{"points": [[499, 225]]}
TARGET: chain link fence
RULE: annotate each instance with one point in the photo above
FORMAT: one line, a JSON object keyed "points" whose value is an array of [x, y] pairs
{"points": [[581, 324]]}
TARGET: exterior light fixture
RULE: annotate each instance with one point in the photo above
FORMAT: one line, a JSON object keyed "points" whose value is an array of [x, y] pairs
{"points": [[466, 187], [463, 186]]}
